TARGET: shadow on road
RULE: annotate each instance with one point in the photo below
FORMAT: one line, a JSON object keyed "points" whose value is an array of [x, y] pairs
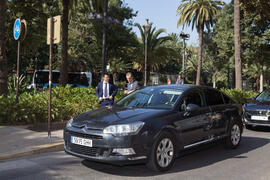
{"points": [[205, 157]]}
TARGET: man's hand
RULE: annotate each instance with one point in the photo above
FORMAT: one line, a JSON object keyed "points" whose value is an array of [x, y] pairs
{"points": [[110, 97], [130, 92], [100, 99], [126, 92]]}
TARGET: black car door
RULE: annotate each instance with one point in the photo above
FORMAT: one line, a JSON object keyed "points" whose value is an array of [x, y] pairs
{"points": [[219, 119], [193, 123]]}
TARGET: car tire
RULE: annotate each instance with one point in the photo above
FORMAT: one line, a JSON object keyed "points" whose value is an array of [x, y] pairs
{"points": [[234, 135], [163, 153]]}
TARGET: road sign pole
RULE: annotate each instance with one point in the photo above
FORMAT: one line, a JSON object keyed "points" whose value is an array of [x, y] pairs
{"points": [[50, 76], [18, 71], [17, 35]]}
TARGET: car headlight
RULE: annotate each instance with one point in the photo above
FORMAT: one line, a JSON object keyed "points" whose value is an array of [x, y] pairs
{"points": [[69, 123], [124, 129]]}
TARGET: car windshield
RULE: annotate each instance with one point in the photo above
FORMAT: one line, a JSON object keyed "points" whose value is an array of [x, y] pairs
{"points": [[152, 97], [264, 96]]}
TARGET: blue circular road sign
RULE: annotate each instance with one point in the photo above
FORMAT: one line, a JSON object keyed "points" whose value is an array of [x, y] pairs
{"points": [[17, 29]]}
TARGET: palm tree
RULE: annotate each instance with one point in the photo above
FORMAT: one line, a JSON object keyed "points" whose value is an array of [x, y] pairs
{"points": [[3, 60], [237, 45], [157, 52], [199, 13]]}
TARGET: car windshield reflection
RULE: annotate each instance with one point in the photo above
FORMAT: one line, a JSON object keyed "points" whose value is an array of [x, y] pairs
{"points": [[264, 96], [163, 98]]}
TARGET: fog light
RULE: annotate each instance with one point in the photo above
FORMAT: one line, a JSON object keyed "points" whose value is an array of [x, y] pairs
{"points": [[124, 151]]}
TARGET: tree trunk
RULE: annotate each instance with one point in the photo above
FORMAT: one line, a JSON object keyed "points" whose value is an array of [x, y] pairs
{"points": [[3, 60], [237, 45], [261, 77], [214, 79], [200, 55], [115, 77], [64, 63], [233, 79]]}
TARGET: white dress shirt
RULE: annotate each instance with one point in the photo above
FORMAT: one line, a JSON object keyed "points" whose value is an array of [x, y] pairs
{"points": [[108, 92]]}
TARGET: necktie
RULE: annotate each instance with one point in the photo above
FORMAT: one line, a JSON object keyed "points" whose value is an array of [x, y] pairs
{"points": [[106, 90]]}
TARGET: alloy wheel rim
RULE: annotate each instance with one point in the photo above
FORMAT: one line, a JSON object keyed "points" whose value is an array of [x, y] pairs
{"points": [[235, 134], [165, 152]]}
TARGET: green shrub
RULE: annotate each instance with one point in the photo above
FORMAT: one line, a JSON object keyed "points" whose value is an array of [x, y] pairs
{"points": [[33, 106], [240, 96]]}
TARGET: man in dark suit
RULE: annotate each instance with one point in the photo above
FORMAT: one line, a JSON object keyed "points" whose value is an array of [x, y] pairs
{"points": [[106, 91]]}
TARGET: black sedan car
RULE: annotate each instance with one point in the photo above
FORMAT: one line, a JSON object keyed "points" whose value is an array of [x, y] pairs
{"points": [[153, 125], [257, 111]]}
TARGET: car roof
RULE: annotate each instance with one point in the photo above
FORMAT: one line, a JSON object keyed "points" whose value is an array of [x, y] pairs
{"points": [[178, 86]]}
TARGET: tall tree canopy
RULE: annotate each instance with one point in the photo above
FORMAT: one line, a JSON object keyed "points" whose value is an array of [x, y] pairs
{"points": [[198, 13]]}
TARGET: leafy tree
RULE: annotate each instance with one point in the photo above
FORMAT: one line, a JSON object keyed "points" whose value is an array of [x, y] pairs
{"points": [[199, 13], [257, 7], [255, 35], [85, 48], [173, 61], [34, 50]]}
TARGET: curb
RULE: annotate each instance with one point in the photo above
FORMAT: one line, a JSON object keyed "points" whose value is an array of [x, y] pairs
{"points": [[59, 146]]}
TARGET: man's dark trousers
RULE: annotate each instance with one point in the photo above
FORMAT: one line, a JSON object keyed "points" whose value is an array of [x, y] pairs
{"points": [[106, 102]]}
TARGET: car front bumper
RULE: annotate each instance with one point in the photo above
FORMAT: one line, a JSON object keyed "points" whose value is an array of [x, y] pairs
{"points": [[103, 145], [250, 122]]}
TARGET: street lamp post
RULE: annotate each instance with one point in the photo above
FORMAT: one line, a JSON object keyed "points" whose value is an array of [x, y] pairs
{"points": [[146, 27], [184, 37], [106, 20]]}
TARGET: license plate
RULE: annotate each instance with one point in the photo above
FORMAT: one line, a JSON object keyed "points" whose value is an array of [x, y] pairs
{"points": [[81, 141], [261, 118]]}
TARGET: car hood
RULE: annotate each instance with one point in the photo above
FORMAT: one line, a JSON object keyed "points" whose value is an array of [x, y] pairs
{"points": [[257, 105], [103, 117]]}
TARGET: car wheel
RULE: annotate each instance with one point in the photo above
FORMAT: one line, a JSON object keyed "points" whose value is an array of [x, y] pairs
{"points": [[235, 134], [163, 153]]}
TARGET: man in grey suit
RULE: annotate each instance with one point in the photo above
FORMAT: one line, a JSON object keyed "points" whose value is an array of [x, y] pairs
{"points": [[132, 85]]}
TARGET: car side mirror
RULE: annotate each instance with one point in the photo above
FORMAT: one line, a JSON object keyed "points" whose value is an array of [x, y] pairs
{"points": [[191, 107], [253, 98]]}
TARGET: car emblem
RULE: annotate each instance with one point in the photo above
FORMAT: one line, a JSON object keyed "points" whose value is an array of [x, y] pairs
{"points": [[84, 128]]}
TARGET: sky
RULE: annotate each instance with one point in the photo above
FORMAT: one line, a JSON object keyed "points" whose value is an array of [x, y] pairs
{"points": [[162, 13]]}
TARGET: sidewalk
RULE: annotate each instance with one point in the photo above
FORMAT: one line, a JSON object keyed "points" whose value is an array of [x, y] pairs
{"points": [[17, 141]]}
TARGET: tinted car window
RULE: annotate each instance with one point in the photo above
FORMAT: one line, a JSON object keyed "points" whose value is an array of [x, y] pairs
{"points": [[193, 97], [43, 77], [213, 97]]}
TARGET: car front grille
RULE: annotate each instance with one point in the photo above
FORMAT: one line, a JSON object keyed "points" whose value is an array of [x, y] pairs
{"points": [[259, 122], [84, 150], [258, 113], [89, 151], [82, 135]]}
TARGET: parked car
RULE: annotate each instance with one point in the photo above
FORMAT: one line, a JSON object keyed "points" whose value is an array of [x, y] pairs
{"points": [[257, 111], [153, 125]]}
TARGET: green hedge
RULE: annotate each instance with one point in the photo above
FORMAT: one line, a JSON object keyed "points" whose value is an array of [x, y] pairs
{"points": [[240, 96], [33, 106], [66, 103]]}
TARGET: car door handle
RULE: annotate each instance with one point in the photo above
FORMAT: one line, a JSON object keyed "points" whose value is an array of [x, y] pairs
{"points": [[186, 114]]}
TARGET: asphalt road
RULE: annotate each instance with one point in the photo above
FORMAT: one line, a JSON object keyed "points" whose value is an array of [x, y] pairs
{"points": [[250, 161]]}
